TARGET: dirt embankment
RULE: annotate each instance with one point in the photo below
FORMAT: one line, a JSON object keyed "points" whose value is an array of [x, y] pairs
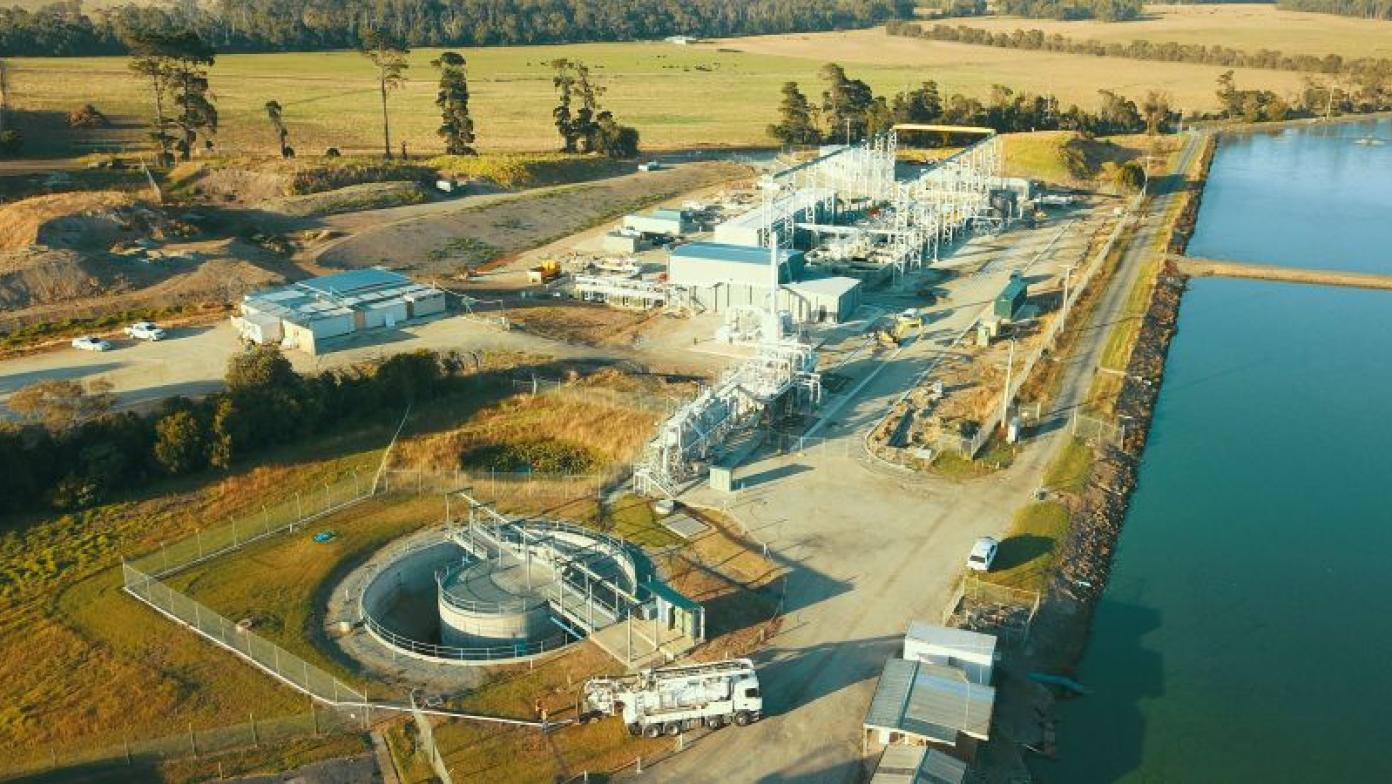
{"points": [[83, 255], [1100, 509]]}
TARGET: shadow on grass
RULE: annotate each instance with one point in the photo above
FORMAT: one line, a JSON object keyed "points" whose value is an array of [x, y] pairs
{"points": [[113, 771], [1018, 551]]}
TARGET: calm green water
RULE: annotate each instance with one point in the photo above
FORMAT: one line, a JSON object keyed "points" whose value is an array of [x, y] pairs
{"points": [[1245, 635]]}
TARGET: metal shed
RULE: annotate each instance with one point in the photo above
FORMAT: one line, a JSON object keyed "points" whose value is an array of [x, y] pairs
{"points": [[1012, 297], [972, 652], [823, 299], [918, 765], [919, 703]]}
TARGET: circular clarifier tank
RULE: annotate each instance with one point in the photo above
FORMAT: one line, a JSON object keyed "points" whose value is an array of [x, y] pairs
{"points": [[492, 602], [481, 594]]}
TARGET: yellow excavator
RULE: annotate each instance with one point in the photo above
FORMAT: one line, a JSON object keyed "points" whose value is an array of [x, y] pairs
{"points": [[898, 328]]}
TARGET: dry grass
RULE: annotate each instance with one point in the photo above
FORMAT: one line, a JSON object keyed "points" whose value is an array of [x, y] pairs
{"points": [[578, 322], [1242, 26], [83, 663], [888, 63], [593, 416], [723, 93]]}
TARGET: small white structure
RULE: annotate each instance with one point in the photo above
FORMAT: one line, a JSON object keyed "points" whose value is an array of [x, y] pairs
{"points": [[660, 222], [972, 652]]}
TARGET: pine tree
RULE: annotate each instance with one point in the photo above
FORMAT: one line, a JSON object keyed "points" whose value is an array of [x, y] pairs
{"points": [[795, 124], [456, 126], [388, 56]]}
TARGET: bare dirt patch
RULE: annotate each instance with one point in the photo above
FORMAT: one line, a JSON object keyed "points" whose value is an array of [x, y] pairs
{"points": [[422, 245]]}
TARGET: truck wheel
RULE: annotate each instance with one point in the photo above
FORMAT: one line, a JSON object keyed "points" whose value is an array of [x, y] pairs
{"points": [[716, 722], [635, 730], [743, 718], [652, 730], [672, 729]]}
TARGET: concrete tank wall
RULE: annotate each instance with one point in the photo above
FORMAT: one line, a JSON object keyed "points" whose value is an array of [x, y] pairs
{"points": [[413, 573], [466, 629]]}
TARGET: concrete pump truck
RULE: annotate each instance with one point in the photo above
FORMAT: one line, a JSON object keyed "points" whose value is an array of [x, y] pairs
{"points": [[671, 700]]}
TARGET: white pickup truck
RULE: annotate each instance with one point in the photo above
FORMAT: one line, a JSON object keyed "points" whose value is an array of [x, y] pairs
{"points": [[145, 330]]}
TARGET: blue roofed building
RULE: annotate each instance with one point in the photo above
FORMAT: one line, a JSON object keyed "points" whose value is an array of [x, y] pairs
{"points": [[313, 314]]}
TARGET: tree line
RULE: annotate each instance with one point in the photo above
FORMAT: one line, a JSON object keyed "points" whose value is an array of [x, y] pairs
{"points": [[175, 68], [848, 111], [1103, 10], [1166, 51], [72, 451], [64, 29], [1367, 9]]}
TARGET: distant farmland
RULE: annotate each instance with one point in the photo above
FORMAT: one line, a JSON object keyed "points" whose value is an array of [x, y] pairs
{"points": [[722, 93]]}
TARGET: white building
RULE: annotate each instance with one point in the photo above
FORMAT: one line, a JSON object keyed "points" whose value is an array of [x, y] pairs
{"points": [[309, 314], [972, 652]]}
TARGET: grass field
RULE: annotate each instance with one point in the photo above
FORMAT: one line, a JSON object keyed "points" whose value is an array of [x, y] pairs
{"points": [[1240, 26], [85, 665], [723, 93]]}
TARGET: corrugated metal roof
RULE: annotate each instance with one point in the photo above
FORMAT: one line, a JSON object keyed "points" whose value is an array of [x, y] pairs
{"points": [[833, 287], [918, 765], [939, 768], [957, 639], [719, 251], [930, 700], [343, 284]]}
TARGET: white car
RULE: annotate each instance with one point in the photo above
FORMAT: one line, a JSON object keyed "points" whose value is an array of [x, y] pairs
{"points": [[983, 554], [90, 343], [145, 330]]}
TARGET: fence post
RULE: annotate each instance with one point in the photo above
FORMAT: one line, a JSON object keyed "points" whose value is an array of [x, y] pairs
{"points": [[198, 533], [299, 511], [314, 717], [266, 518], [255, 741], [193, 741]]}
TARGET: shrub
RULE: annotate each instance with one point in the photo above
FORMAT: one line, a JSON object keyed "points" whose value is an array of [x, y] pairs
{"points": [[11, 142], [87, 116]]}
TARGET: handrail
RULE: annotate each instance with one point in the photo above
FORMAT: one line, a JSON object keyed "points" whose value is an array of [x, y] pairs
{"points": [[450, 652]]}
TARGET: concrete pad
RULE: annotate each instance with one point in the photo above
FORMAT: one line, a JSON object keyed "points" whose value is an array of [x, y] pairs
{"points": [[685, 526]]}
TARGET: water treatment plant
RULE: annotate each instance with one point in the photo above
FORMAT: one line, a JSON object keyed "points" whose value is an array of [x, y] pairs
{"points": [[490, 589]]}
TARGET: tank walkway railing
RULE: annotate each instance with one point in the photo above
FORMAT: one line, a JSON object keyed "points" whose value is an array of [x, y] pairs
{"points": [[577, 592]]}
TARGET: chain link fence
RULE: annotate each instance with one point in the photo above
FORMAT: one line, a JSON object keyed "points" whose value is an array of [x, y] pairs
{"points": [[290, 513], [1098, 430], [497, 484], [194, 743], [240, 639]]}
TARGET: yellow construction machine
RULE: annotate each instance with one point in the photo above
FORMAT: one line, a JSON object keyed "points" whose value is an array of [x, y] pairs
{"points": [[898, 328], [544, 272]]}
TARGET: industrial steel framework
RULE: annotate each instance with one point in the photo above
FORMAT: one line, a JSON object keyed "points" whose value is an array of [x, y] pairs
{"points": [[914, 218]]}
